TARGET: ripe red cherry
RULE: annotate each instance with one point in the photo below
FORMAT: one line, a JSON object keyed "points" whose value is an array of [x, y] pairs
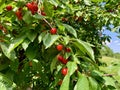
{"points": [[29, 6], [33, 7], [60, 58], [67, 49], [9, 7], [59, 47], [53, 31], [64, 71], [64, 61], [19, 14]]}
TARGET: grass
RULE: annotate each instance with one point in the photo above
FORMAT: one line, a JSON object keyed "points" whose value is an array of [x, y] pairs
{"points": [[113, 67]]}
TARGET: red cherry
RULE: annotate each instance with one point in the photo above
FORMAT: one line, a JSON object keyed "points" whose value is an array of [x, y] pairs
{"points": [[19, 14], [64, 71], [29, 6], [60, 58], [59, 47], [67, 49], [64, 61], [33, 7], [53, 31], [9, 7], [43, 13]]}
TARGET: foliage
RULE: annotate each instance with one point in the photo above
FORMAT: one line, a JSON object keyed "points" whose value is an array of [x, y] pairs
{"points": [[112, 68], [106, 51], [30, 32], [117, 55]]}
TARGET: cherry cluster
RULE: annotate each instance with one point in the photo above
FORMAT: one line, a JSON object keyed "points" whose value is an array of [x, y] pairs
{"points": [[33, 7], [60, 58]]}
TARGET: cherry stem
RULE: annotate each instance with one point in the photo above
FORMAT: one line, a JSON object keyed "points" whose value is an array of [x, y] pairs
{"points": [[47, 22]]}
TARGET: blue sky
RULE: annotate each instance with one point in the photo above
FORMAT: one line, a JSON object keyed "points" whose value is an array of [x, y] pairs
{"points": [[115, 41]]}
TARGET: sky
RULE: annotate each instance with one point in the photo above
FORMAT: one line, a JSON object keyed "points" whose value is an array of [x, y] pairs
{"points": [[115, 41]]}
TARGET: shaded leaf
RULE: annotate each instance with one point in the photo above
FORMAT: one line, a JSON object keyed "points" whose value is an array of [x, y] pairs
{"points": [[53, 64]]}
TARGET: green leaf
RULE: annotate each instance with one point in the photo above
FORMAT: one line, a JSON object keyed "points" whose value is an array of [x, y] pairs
{"points": [[93, 83], [49, 39], [11, 55], [37, 16], [71, 30], [15, 43], [84, 47], [6, 81], [31, 34], [48, 8], [82, 83], [97, 77], [54, 2], [28, 17], [31, 51], [76, 59], [72, 67], [65, 83], [40, 37], [96, 1], [14, 65], [87, 2], [2, 86], [25, 43], [53, 64], [109, 81]]}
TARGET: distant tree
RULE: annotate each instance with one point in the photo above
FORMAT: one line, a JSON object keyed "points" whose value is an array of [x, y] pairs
{"points": [[117, 55], [106, 51]]}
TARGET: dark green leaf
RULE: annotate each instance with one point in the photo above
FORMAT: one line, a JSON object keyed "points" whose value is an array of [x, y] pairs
{"points": [[31, 51], [53, 64], [31, 34]]}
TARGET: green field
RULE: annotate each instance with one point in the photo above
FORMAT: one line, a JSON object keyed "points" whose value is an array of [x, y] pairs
{"points": [[112, 67]]}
